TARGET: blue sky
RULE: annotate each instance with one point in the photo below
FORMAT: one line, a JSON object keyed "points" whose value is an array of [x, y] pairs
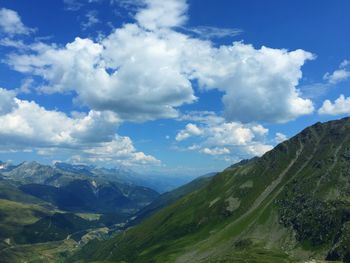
{"points": [[179, 87]]}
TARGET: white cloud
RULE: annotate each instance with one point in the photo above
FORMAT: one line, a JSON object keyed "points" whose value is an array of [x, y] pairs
{"points": [[206, 117], [140, 89], [7, 103], [337, 76], [340, 106], [30, 124], [341, 74], [26, 86], [258, 149], [215, 151], [231, 133], [259, 84], [344, 63], [144, 71], [160, 14], [90, 20], [217, 137], [11, 23], [8, 42], [120, 150], [280, 137], [131, 6], [26, 125], [72, 5], [260, 130], [208, 32], [190, 130]]}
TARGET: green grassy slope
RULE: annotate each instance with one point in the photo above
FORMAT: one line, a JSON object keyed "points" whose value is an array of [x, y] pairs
{"points": [[171, 197], [50, 252], [58, 226], [14, 215], [289, 205]]}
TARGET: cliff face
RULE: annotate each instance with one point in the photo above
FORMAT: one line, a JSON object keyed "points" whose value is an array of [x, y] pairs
{"points": [[291, 204]]}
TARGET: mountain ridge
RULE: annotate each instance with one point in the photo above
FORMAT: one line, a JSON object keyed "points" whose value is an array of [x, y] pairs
{"points": [[250, 212]]}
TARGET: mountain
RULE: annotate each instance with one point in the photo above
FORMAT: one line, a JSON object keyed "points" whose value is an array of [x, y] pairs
{"points": [[52, 210], [63, 173], [127, 176], [29, 172], [58, 226], [5, 167], [77, 188], [75, 168], [89, 196], [33, 172], [9, 191], [14, 215], [171, 197], [290, 205]]}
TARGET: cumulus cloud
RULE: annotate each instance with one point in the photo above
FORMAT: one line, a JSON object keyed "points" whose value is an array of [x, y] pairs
{"points": [[339, 106], [7, 103], [145, 70], [258, 149], [119, 150], [32, 125], [137, 88], [162, 14], [215, 151], [214, 136], [190, 130], [341, 74], [280, 137], [231, 133], [11, 23], [259, 84], [26, 125]]}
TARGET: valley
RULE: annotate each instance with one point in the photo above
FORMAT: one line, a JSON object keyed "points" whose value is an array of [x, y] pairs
{"points": [[48, 212]]}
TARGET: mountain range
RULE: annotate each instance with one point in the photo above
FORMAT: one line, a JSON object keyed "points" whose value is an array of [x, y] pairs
{"points": [[290, 205], [62, 173], [66, 205]]}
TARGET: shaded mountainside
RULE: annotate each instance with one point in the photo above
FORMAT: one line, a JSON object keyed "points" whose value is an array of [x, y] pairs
{"points": [[58, 226], [76, 188], [10, 191], [87, 196], [291, 204]]}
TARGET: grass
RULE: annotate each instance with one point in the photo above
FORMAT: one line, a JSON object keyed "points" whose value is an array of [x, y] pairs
{"points": [[14, 215], [50, 252]]}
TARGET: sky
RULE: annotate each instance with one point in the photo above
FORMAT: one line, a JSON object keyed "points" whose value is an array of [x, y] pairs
{"points": [[167, 86]]}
